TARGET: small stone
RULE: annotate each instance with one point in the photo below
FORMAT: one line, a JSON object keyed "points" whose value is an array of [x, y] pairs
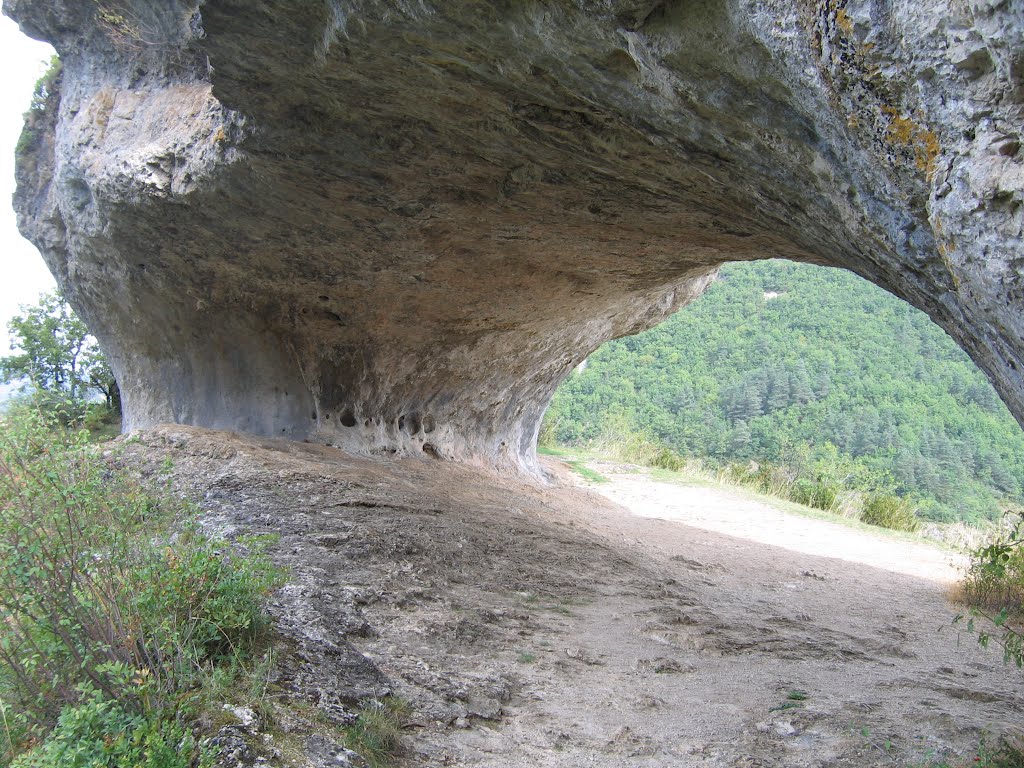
{"points": [[784, 728], [246, 717]]}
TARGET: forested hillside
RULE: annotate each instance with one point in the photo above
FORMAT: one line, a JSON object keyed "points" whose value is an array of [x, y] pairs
{"points": [[791, 364]]}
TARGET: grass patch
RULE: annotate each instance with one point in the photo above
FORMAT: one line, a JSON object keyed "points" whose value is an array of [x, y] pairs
{"points": [[377, 731], [827, 482], [580, 468], [575, 459]]}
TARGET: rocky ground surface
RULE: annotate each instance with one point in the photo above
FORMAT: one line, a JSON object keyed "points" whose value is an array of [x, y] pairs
{"points": [[530, 625]]}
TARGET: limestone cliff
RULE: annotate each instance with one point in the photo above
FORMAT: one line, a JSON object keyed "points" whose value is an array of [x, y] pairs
{"points": [[395, 225]]}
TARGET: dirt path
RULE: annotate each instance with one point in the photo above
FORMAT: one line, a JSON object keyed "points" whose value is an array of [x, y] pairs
{"points": [[779, 641], [533, 625], [737, 513]]}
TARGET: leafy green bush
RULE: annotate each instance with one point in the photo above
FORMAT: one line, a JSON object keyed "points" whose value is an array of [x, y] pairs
{"points": [[115, 605], [995, 576], [819, 493], [100, 733], [889, 511], [817, 488], [668, 459], [993, 586]]}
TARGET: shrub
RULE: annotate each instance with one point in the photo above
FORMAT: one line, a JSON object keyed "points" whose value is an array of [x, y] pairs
{"points": [[668, 459], [889, 511], [993, 586], [115, 606], [100, 733], [994, 579]]}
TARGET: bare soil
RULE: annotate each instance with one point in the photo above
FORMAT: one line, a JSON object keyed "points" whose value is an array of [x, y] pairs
{"points": [[638, 623]]}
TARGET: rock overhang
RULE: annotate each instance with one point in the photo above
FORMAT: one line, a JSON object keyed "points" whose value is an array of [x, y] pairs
{"points": [[396, 226]]}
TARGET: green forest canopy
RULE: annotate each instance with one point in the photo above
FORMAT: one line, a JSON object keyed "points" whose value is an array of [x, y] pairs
{"points": [[780, 361]]}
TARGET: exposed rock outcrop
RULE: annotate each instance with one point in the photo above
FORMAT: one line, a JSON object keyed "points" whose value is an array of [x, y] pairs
{"points": [[395, 226], [548, 627]]}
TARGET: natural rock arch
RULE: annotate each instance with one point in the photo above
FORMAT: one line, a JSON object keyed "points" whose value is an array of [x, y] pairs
{"points": [[396, 226]]}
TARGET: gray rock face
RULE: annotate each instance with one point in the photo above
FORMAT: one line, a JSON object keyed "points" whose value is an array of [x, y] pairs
{"points": [[395, 226]]}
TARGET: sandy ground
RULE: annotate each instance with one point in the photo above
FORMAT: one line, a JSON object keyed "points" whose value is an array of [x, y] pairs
{"points": [[647, 624]]}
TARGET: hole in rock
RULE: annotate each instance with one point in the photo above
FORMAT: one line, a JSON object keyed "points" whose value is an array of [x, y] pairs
{"points": [[413, 423], [401, 423], [431, 450], [347, 418], [806, 382], [428, 424]]}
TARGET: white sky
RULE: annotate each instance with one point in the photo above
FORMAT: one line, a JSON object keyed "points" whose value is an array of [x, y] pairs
{"points": [[23, 276]]}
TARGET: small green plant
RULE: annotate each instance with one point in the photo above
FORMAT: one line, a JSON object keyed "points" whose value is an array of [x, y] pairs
{"points": [[124, 30], [995, 576], [44, 87], [888, 511], [526, 657], [793, 701], [884, 746], [377, 731]]}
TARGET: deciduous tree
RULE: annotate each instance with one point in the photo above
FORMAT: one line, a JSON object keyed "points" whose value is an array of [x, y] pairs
{"points": [[53, 352]]}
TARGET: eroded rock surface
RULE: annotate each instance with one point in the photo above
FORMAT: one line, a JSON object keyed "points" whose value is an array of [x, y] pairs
{"points": [[395, 226]]}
